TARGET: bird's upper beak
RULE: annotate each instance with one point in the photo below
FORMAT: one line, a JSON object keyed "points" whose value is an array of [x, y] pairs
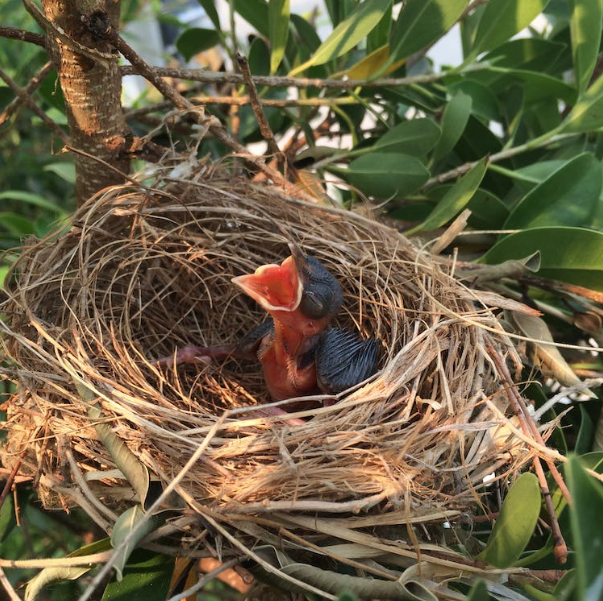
{"points": [[275, 287]]}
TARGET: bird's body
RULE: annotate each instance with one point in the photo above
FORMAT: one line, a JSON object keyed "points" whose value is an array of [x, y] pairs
{"points": [[299, 353]]}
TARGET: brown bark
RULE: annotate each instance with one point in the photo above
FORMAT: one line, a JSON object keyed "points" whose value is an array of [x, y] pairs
{"points": [[91, 83]]}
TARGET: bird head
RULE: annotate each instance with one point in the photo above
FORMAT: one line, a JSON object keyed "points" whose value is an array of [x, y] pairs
{"points": [[299, 293]]}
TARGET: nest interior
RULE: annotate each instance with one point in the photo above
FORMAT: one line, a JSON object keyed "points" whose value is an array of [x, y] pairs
{"points": [[141, 272]]}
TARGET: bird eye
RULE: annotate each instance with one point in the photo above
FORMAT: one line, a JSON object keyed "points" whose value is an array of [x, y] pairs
{"points": [[313, 306]]}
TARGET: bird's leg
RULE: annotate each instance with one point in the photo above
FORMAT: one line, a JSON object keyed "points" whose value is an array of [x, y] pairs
{"points": [[246, 348], [196, 355]]}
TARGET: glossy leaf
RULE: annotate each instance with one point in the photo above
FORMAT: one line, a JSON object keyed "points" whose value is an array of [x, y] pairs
{"points": [[587, 528], [348, 33], [529, 54], [455, 200], [147, 576], [455, 117], [569, 254], [306, 32], [478, 592], [515, 524], [128, 526], [49, 576], [196, 40], [278, 15], [483, 102], [415, 137], [210, 10], [387, 175], [502, 19], [585, 28], [31, 199], [255, 12], [65, 171], [545, 356], [587, 114], [16, 224], [125, 460], [420, 23], [568, 197]]}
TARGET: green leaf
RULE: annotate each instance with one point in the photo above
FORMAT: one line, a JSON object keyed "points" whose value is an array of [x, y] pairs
{"points": [[587, 529], [278, 17], [210, 10], [515, 524], [585, 28], [348, 33], [3, 273], [50, 576], [569, 254], [387, 175], [32, 199], [64, 170], [487, 210], [568, 197], [587, 114], [16, 224], [530, 54], [147, 577], [126, 526], [420, 23], [483, 102], [415, 137], [196, 40], [455, 117], [501, 20], [306, 32], [455, 199], [255, 12], [478, 592], [125, 460]]}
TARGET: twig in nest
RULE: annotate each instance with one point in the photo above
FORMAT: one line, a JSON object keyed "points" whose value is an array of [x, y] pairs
{"points": [[25, 96], [8, 587], [34, 83], [265, 129], [189, 592], [530, 429]]}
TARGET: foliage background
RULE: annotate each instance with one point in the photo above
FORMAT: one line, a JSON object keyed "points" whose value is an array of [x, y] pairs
{"points": [[513, 134]]}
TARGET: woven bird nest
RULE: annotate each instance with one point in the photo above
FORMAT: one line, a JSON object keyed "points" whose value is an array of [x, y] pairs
{"points": [[141, 272]]}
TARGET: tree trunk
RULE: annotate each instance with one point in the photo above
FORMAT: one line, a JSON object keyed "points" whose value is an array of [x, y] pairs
{"points": [[92, 90]]}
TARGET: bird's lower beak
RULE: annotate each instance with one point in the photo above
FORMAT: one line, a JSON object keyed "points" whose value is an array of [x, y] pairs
{"points": [[274, 287]]}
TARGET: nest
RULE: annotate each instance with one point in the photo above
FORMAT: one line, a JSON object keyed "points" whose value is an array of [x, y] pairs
{"points": [[140, 272]]}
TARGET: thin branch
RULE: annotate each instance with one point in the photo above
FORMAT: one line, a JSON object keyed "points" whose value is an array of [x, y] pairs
{"points": [[257, 107], [58, 562], [30, 89], [297, 82], [541, 142], [184, 104], [28, 100], [8, 587], [190, 592], [530, 429], [12, 33]]}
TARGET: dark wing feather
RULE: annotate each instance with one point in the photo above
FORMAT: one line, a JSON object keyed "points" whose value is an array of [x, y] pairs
{"points": [[249, 345], [343, 359]]}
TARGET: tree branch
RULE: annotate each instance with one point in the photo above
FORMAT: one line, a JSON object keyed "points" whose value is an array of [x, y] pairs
{"points": [[205, 76], [34, 83], [214, 126], [28, 100], [12, 33], [257, 107]]}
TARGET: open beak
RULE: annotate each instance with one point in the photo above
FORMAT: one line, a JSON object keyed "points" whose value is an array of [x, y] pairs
{"points": [[274, 287]]}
